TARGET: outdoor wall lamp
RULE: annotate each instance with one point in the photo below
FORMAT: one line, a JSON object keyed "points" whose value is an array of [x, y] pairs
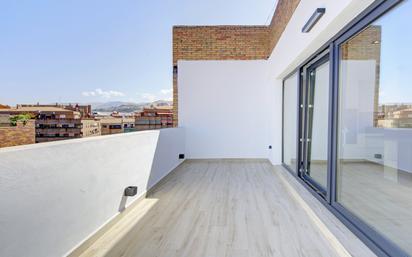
{"points": [[130, 191], [174, 70], [319, 12]]}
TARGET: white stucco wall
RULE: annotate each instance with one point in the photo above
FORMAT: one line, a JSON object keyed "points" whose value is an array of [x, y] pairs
{"points": [[233, 109], [55, 195], [290, 119], [223, 108]]}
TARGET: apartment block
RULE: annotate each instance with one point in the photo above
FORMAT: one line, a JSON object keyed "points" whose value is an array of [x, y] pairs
{"points": [[398, 118], [84, 110], [154, 118], [90, 127], [115, 125], [52, 123], [23, 133]]}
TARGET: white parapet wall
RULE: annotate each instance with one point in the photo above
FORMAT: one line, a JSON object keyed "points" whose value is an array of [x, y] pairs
{"points": [[55, 195]]}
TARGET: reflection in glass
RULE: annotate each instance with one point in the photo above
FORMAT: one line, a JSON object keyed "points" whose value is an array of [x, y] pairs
{"points": [[374, 179], [318, 103], [290, 102]]}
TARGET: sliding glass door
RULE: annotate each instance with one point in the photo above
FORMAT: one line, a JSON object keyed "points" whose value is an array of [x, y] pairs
{"points": [[305, 123], [347, 126], [314, 125], [374, 165]]}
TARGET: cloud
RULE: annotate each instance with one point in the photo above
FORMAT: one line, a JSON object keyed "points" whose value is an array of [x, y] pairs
{"points": [[102, 93], [166, 91], [148, 97], [164, 94]]}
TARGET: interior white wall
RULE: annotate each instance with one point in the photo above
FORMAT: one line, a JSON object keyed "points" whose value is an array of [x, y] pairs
{"points": [[359, 138], [223, 108], [55, 195], [319, 140], [395, 145], [357, 107]]}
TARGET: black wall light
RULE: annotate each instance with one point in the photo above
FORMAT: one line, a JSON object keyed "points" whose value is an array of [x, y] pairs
{"points": [[130, 191], [319, 12], [174, 70]]}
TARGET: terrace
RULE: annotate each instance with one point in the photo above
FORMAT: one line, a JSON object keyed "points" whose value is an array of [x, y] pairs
{"points": [[210, 207], [259, 163]]}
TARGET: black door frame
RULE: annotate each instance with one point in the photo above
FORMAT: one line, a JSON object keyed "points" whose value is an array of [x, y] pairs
{"points": [[374, 240], [305, 129]]}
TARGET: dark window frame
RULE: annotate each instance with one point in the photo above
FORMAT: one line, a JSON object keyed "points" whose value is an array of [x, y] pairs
{"points": [[374, 240]]}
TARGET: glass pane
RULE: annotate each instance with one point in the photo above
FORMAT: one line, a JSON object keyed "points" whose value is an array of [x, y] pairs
{"points": [[318, 100], [375, 126], [290, 105]]}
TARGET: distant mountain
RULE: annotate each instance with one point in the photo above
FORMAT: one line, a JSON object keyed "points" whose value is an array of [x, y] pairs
{"points": [[126, 107], [109, 104]]}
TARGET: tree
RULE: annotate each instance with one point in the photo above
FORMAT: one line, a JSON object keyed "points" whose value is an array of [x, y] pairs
{"points": [[20, 118]]}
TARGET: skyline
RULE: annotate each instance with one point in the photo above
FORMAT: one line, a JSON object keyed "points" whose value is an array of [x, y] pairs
{"points": [[100, 51]]}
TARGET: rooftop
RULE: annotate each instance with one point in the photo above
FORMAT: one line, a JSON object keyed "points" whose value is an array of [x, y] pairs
{"points": [[300, 168], [227, 208], [35, 109]]}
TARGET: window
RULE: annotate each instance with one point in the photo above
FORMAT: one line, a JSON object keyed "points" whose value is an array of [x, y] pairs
{"points": [[374, 172], [290, 102]]}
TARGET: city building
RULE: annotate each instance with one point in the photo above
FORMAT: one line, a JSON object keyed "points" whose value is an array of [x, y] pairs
{"points": [[84, 110], [22, 133], [52, 123], [90, 127], [114, 125], [154, 118], [399, 118], [4, 119], [276, 150]]}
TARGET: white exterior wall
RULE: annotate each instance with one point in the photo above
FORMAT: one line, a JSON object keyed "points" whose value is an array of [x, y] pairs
{"points": [[55, 195], [289, 121], [215, 96], [223, 108]]}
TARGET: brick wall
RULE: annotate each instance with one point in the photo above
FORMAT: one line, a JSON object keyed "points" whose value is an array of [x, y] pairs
{"points": [[283, 13], [18, 135], [216, 43], [228, 42], [219, 43]]}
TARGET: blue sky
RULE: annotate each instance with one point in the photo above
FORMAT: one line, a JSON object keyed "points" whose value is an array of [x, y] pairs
{"points": [[97, 51], [396, 67]]}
